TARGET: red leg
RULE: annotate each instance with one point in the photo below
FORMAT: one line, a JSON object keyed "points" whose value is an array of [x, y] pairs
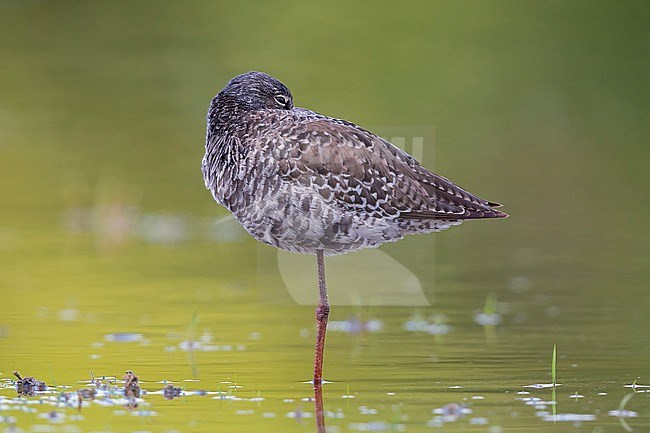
{"points": [[320, 413], [322, 313]]}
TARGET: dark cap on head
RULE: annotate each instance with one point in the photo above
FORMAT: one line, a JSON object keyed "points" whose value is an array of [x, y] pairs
{"points": [[256, 91]]}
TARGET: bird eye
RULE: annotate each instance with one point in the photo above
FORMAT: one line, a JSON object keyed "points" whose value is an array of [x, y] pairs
{"points": [[282, 100]]}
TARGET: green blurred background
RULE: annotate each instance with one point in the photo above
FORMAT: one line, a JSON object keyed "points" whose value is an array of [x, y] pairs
{"points": [[105, 225]]}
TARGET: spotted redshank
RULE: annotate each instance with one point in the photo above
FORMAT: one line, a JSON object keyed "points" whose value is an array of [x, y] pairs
{"points": [[313, 184]]}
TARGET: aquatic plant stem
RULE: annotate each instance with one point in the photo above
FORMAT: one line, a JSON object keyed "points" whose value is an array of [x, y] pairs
{"points": [[553, 376], [554, 364]]}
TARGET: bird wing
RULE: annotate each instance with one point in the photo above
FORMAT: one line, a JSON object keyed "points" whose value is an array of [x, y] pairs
{"points": [[363, 172]]}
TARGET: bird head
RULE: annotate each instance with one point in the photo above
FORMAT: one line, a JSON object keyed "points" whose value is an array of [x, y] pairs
{"points": [[255, 91]]}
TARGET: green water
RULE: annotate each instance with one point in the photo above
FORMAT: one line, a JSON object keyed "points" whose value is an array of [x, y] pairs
{"points": [[106, 228]]}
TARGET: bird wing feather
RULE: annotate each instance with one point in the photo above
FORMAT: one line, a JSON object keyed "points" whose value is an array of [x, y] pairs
{"points": [[363, 172]]}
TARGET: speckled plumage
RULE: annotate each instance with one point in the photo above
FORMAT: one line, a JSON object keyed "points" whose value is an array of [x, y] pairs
{"points": [[304, 182], [309, 183]]}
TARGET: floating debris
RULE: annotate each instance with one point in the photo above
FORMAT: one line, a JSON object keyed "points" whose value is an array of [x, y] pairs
{"points": [[543, 385], [452, 411], [479, 421], [132, 390], [365, 410], [244, 412], [435, 325], [489, 316], [376, 426], [123, 337], [53, 416], [570, 417], [205, 344], [622, 413], [484, 319], [87, 393], [28, 385], [299, 415], [171, 392], [145, 413], [356, 326], [636, 386], [62, 405]]}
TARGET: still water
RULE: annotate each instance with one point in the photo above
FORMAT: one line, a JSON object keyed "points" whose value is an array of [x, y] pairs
{"points": [[113, 256]]}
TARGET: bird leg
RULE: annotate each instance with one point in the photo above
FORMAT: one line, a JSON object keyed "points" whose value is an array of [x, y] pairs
{"points": [[320, 412], [322, 313]]}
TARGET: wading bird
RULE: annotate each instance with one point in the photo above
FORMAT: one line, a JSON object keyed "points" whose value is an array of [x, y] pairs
{"points": [[313, 184]]}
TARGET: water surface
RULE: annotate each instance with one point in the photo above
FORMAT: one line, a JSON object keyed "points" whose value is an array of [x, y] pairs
{"points": [[114, 256]]}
